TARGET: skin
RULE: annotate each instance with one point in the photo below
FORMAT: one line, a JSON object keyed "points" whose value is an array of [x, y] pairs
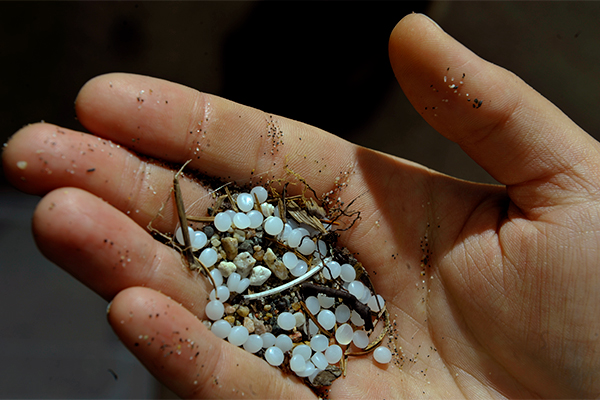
{"points": [[510, 303]]}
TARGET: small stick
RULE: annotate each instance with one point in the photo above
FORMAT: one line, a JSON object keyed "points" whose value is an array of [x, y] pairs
{"points": [[189, 254], [200, 219], [314, 319]]}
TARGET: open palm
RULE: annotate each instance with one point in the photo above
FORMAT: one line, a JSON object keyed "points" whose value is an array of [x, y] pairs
{"points": [[494, 290]]}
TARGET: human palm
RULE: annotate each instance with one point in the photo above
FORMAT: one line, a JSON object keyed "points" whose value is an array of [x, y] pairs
{"points": [[493, 290]]}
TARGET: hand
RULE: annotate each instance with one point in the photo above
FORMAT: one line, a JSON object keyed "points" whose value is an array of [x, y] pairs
{"points": [[494, 289]]}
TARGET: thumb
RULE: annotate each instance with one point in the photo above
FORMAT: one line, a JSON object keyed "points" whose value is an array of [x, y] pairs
{"points": [[508, 128]]}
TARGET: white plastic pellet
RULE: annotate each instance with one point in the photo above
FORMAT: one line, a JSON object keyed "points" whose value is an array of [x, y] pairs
{"points": [[233, 281], [241, 220], [179, 234], [217, 276], [286, 321], [356, 318], [313, 329], [268, 339], [366, 296], [243, 285], [284, 342], [231, 213], [374, 305], [221, 328], [319, 342], [300, 268], [289, 260], [303, 350], [222, 294], [256, 218], [332, 270], [300, 319], [325, 301], [297, 363], [333, 354], [307, 246], [214, 310], [308, 371], [238, 335], [295, 237], [253, 344], [222, 222], [274, 356], [273, 225], [260, 192], [382, 355], [321, 250], [347, 273], [208, 257], [342, 313], [327, 319], [343, 334], [357, 289], [360, 339], [199, 240], [245, 202], [313, 305], [319, 360]]}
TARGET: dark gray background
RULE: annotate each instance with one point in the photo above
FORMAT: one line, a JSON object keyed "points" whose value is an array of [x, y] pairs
{"points": [[315, 62]]}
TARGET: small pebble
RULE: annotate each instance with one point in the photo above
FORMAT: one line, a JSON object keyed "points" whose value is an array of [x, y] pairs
{"points": [[249, 324], [243, 311]]}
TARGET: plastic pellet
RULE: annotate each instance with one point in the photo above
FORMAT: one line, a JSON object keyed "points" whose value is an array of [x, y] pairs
{"points": [[243, 285], [241, 220], [332, 270], [342, 313], [297, 363], [273, 225], [325, 301], [233, 281], [268, 339], [360, 339], [289, 260], [217, 276], [256, 219], [245, 202], [347, 273], [208, 257], [221, 328], [238, 335], [253, 344], [300, 319], [313, 305], [284, 342], [222, 222], [374, 305], [199, 240], [327, 319], [179, 234], [319, 342], [295, 237], [307, 246], [382, 355], [319, 360], [357, 289], [303, 350], [274, 356], [356, 319], [286, 321], [300, 268], [343, 334], [260, 192], [214, 310], [222, 294], [308, 371], [333, 354]]}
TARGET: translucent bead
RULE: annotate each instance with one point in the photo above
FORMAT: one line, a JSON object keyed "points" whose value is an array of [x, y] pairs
{"points": [[327, 319], [268, 339], [374, 305], [245, 202], [260, 192], [356, 319], [233, 281], [238, 335], [319, 360], [222, 222], [347, 273], [253, 344], [342, 313], [287, 228], [217, 276], [296, 236], [221, 328], [360, 339], [179, 234], [286, 321], [325, 301], [273, 225], [289, 260], [382, 355], [241, 220], [303, 350], [357, 289], [199, 240], [274, 356], [313, 305], [343, 334], [319, 342], [243, 285], [321, 250], [256, 219], [332, 270], [307, 246], [300, 268], [208, 257], [297, 363], [308, 371], [284, 342], [366, 296], [313, 329], [222, 294], [333, 354], [231, 213], [214, 310], [300, 319]]}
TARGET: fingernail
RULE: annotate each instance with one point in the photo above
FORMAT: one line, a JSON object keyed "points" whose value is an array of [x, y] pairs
{"points": [[432, 21]]}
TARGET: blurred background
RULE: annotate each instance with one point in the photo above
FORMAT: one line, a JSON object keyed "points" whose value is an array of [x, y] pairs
{"points": [[323, 63]]}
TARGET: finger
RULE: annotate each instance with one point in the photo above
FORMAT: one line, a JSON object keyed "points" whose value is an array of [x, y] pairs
{"points": [[182, 353], [43, 157], [224, 139], [504, 125], [108, 252]]}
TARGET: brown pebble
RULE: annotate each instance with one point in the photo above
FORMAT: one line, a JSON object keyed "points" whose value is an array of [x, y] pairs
{"points": [[229, 309], [230, 319], [243, 311], [296, 306], [249, 324], [258, 255], [259, 327], [296, 337], [267, 307], [230, 245]]}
